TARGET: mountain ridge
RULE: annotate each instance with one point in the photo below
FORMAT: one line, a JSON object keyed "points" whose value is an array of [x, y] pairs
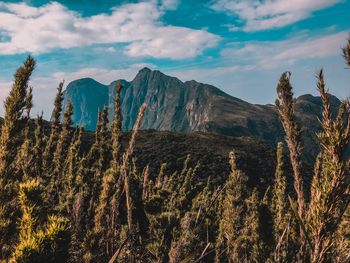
{"points": [[174, 105]]}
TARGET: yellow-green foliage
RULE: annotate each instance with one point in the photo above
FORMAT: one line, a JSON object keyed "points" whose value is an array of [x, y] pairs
{"points": [[37, 244], [48, 245]]}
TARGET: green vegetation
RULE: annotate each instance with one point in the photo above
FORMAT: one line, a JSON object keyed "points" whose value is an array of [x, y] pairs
{"points": [[66, 196]]}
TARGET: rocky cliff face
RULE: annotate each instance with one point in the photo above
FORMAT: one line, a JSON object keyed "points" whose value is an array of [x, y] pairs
{"points": [[87, 96], [174, 105]]}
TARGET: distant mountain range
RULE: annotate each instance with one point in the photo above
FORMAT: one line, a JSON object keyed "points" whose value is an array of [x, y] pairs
{"points": [[174, 105]]}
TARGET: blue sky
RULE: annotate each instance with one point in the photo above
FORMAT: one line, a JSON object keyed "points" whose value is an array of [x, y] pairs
{"points": [[239, 46]]}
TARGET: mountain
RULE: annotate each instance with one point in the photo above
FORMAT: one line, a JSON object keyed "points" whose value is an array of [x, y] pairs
{"points": [[174, 105], [87, 96]]}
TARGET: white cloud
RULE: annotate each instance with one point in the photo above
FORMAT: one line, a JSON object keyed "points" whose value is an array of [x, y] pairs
{"points": [[102, 75], [105, 49], [232, 28], [179, 43], [242, 58], [39, 30], [271, 55], [169, 4], [111, 50], [207, 75], [268, 14]]}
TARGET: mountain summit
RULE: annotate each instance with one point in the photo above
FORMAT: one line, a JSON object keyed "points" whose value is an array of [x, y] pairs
{"points": [[186, 106]]}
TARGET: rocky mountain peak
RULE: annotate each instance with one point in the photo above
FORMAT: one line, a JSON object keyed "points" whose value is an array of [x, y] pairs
{"points": [[174, 105]]}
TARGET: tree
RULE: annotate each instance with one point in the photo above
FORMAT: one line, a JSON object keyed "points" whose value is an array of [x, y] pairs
{"points": [[24, 158], [136, 226], [197, 230], [329, 197], [285, 104], [15, 105], [55, 129], [98, 160], [38, 148], [232, 220], [330, 194], [105, 216], [281, 212], [162, 221], [68, 191], [59, 157], [249, 244], [10, 138], [116, 129]]}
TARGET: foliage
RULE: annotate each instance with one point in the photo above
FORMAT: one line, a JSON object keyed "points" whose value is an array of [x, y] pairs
{"points": [[64, 198]]}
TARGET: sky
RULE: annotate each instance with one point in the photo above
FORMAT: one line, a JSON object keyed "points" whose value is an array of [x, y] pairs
{"points": [[239, 46]]}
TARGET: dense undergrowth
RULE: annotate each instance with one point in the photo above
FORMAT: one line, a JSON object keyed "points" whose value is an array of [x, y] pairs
{"points": [[64, 201]]}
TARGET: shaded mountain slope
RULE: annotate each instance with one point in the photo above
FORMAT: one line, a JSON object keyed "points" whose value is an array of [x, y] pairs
{"points": [[211, 151], [174, 105]]}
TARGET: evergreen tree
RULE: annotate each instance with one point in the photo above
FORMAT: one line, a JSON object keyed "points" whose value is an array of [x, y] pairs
{"points": [[342, 245], [250, 246], [24, 158], [136, 225], [105, 216], [161, 176], [281, 212], [232, 220], [11, 131], [15, 105], [330, 185], [55, 130], [285, 104], [38, 148], [197, 230], [116, 129], [181, 188], [329, 197], [161, 220], [59, 157], [98, 160], [68, 192]]}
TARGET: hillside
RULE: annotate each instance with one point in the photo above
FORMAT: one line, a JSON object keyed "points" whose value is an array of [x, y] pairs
{"points": [[211, 151], [174, 105]]}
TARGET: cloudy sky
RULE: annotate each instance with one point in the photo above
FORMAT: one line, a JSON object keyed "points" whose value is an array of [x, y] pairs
{"points": [[240, 46]]}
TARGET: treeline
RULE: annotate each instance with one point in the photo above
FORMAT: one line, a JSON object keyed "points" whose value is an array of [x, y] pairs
{"points": [[59, 203]]}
